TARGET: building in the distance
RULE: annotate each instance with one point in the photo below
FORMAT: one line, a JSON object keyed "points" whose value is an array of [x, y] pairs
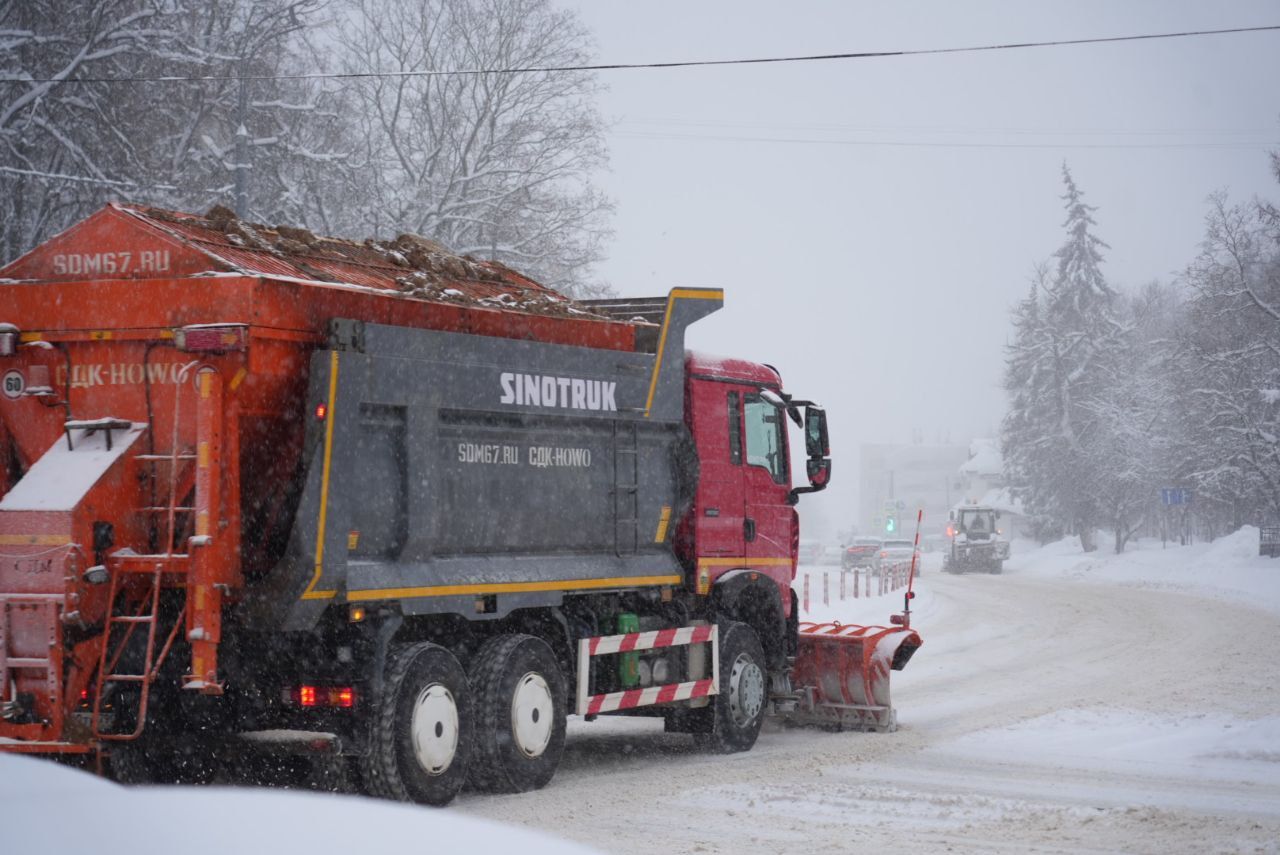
{"points": [[896, 480]]}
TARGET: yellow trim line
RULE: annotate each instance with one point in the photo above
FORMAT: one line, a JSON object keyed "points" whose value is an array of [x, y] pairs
{"points": [[676, 294], [510, 587], [311, 593], [744, 562], [34, 539]]}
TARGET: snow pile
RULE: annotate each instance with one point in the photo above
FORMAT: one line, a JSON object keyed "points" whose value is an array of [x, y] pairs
{"points": [[1228, 568], [38, 797], [1206, 745]]}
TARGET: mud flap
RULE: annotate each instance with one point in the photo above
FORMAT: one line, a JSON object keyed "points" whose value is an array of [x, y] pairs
{"points": [[842, 672]]}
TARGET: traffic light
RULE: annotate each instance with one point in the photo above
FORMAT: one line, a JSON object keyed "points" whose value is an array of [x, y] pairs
{"points": [[890, 525]]}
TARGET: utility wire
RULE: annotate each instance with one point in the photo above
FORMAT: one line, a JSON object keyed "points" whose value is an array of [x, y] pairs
{"points": [[939, 144], [826, 57]]}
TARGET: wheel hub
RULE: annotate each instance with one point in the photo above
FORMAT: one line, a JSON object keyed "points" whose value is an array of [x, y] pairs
{"points": [[434, 728], [532, 714], [746, 690]]}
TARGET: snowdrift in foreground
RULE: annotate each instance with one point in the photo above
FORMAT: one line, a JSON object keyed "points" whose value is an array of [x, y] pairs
{"points": [[34, 795], [1228, 568]]}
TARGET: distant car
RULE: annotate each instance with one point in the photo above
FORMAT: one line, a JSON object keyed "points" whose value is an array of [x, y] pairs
{"points": [[860, 552], [811, 552], [896, 551]]}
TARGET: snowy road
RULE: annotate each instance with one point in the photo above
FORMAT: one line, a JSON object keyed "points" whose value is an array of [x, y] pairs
{"points": [[1045, 712]]}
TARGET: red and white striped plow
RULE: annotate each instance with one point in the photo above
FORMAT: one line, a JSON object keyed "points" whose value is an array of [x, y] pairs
{"points": [[843, 670], [603, 645]]}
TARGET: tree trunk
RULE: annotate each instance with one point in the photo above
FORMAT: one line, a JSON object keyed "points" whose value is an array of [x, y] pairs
{"points": [[1087, 538]]}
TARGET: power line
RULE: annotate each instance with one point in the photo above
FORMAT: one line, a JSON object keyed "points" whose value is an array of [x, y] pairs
{"points": [[657, 124], [826, 57], [928, 144]]}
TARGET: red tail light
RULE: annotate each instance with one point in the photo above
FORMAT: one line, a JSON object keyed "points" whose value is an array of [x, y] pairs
{"points": [[309, 697]]}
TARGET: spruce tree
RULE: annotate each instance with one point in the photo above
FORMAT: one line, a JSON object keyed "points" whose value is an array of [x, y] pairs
{"points": [[1064, 355]]}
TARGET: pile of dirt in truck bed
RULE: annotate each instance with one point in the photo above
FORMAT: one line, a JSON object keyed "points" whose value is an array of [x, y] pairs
{"points": [[410, 264]]}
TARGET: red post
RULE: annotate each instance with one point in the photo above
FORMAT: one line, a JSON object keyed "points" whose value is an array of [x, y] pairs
{"points": [[806, 592]]}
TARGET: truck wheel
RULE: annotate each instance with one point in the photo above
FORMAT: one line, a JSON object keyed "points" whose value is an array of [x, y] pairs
{"points": [[738, 710], [520, 714], [420, 729], [997, 568]]}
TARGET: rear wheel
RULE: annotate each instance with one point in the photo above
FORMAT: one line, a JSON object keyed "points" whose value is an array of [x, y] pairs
{"points": [[420, 732], [738, 710], [520, 714]]}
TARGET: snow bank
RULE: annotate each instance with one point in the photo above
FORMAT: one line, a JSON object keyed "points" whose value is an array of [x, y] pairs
{"points": [[38, 798], [1205, 746], [1228, 568]]}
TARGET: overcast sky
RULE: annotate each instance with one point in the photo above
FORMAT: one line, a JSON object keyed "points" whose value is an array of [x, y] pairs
{"points": [[872, 221]]}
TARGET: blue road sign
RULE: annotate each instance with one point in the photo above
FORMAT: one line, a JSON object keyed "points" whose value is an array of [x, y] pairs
{"points": [[1175, 496]]}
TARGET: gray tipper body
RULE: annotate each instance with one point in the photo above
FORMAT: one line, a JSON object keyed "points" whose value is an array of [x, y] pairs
{"points": [[432, 481]]}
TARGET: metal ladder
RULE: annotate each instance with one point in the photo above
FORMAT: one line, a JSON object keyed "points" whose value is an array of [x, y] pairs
{"points": [[153, 569], [626, 488]]}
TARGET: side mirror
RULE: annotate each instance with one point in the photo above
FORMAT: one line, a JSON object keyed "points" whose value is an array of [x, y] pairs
{"points": [[951, 515], [816, 442], [819, 471]]}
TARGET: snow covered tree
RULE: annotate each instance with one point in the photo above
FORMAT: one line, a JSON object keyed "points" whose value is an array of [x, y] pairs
{"points": [[76, 131], [491, 164], [1027, 434], [1229, 364], [1061, 362], [496, 165], [1134, 414]]}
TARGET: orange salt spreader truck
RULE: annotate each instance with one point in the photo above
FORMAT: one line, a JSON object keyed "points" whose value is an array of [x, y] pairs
{"points": [[388, 506]]}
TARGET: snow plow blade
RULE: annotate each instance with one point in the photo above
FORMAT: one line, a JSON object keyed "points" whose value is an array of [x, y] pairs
{"points": [[842, 672]]}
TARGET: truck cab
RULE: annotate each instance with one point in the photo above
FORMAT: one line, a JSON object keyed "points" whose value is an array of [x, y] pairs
{"points": [[742, 530]]}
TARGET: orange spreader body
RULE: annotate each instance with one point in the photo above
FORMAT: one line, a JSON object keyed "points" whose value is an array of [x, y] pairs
{"points": [[97, 309]]}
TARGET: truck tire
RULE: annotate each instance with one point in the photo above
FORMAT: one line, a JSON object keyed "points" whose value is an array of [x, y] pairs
{"points": [[520, 714], [738, 710], [997, 567], [420, 730]]}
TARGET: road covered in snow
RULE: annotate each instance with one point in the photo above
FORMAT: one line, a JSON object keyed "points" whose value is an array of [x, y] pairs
{"points": [[1074, 703]]}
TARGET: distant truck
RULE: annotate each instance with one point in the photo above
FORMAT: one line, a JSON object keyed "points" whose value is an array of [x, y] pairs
{"points": [[412, 505], [975, 541]]}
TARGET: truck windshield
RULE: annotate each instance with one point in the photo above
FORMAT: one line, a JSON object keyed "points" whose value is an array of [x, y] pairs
{"points": [[978, 522]]}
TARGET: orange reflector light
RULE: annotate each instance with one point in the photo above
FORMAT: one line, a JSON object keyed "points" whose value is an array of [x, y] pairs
{"points": [[212, 338], [356, 614], [322, 410], [307, 696], [345, 698]]}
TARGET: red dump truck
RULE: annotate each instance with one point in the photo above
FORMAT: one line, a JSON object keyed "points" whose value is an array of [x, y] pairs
{"points": [[410, 510]]}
